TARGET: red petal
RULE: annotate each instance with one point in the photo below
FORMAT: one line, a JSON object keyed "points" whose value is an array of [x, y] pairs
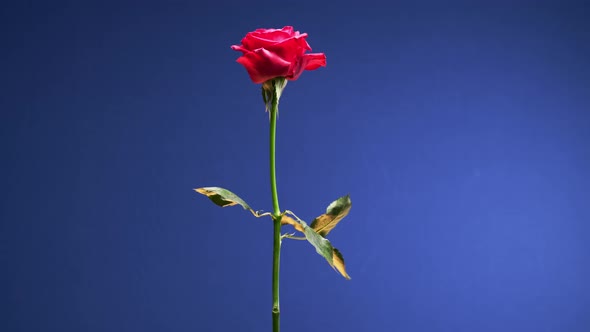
{"points": [[307, 62], [239, 48], [255, 40], [314, 60], [252, 42], [263, 65], [290, 49]]}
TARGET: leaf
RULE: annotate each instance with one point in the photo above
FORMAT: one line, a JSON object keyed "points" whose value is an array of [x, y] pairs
{"points": [[321, 244], [324, 248], [339, 263], [223, 197], [335, 212], [286, 220]]}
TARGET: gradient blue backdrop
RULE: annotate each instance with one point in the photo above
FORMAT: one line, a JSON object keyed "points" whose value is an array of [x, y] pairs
{"points": [[461, 132]]}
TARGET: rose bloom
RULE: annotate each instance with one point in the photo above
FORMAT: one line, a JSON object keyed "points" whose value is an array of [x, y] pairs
{"points": [[270, 53]]}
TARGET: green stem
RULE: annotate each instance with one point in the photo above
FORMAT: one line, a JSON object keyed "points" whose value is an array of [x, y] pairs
{"points": [[276, 311]]}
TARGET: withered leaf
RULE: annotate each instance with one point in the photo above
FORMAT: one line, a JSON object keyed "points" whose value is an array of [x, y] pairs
{"points": [[335, 212], [339, 263], [286, 220], [325, 249], [224, 197]]}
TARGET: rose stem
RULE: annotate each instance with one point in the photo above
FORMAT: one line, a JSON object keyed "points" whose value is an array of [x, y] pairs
{"points": [[276, 216]]}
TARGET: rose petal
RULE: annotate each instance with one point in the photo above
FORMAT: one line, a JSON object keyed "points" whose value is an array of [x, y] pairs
{"points": [[310, 61], [239, 48], [263, 65], [288, 29], [289, 49], [254, 40], [314, 60], [285, 32]]}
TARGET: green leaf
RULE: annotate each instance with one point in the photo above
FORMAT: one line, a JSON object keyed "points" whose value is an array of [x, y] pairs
{"points": [[325, 249], [321, 244], [335, 212], [223, 197]]}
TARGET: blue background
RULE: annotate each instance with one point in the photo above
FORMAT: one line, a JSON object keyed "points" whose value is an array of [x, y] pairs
{"points": [[461, 132]]}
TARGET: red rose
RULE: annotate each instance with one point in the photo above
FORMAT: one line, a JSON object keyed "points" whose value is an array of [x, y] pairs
{"points": [[270, 53]]}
